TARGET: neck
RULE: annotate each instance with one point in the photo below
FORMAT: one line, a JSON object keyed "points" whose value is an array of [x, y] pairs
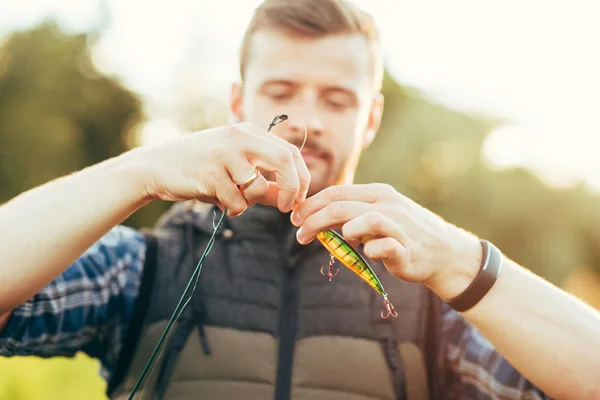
{"points": [[347, 177]]}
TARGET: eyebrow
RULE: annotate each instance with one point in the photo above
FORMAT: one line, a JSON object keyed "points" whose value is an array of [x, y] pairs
{"points": [[274, 82]]}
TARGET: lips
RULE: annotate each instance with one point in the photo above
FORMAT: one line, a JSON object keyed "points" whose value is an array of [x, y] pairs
{"points": [[312, 151], [313, 155]]}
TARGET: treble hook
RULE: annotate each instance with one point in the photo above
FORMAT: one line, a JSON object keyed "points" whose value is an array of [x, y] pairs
{"points": [[391, 311], [330, 273]]}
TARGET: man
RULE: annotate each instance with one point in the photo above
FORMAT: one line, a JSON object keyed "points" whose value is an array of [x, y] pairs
{"points": [[263, 322]]}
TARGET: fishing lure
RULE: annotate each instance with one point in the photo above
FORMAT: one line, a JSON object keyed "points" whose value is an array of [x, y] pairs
{"points": [[339, 248]]}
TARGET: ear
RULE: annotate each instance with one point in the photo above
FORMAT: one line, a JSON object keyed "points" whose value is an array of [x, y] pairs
{"points": [[235, 103], [374, 121]]}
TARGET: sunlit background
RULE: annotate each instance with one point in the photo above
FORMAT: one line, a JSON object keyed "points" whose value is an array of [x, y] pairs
{"points": [[493, 106]]}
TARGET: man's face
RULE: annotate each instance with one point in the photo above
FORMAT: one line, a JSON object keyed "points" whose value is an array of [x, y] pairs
{"points": [[323, 85]]}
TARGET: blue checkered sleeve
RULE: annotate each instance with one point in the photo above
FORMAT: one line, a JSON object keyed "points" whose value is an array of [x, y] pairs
{"points": [[87, 308], [475, 370]]}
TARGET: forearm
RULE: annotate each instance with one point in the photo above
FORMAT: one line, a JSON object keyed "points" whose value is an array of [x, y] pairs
{"points": [[541, 330], [46, 229], [550, 337]]}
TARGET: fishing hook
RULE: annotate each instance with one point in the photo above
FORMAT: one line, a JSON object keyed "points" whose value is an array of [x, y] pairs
{"points": [[330, 273], [391, 311], [278, 119]]}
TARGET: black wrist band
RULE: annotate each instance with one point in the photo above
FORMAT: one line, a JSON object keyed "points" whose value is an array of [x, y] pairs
{"points": [[483, 282]]}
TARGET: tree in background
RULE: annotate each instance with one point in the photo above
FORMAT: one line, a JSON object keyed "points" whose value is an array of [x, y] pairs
{"points": [[57, 115]]}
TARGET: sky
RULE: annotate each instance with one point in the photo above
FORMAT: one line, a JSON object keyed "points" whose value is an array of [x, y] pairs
{"points": [[532, 63]]}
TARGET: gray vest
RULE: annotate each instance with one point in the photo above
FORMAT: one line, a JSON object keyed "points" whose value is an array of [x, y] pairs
{"points": [[265, 324]]}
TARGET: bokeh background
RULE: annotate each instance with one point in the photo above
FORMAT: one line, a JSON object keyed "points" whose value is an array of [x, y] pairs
{"points": [[491, 119]]}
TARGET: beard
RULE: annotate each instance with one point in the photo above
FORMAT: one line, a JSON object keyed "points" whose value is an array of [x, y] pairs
{"points": [[325, 169], [324, 173]]}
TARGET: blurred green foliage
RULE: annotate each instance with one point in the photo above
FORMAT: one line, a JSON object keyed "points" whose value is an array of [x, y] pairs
{"points": [[59, 115], [29, 378], [433, 155]]}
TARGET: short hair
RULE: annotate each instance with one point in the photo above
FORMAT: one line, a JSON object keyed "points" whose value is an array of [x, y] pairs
{"points": [[315, 19]]}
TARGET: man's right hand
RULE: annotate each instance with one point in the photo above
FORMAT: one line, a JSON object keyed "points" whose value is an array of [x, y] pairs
{"points": [[44, 230], [210, 165]]}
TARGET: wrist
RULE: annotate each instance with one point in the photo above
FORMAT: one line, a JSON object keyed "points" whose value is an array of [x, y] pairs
{"points": [[460, 268], [135, 171]]}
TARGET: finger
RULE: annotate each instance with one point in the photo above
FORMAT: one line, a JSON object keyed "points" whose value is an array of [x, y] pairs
{"points": [[371, 225], [301, 168], [368, 193], [254, 192], [271, 195], [278, 159], [331, 216], [303, 173], [250, 182], [393, 254], [228, 195], [357, 242]]}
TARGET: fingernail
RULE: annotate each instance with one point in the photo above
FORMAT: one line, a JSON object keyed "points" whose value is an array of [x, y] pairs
{"points": [[295, 218], [303, 196], [299, 236], [290, 206]]}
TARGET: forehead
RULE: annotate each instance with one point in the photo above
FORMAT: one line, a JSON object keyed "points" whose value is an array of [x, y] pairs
{"points": [[334, 60]]}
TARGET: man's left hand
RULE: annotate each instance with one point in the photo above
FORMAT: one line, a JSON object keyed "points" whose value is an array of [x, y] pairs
{"points": [[414, 244]]}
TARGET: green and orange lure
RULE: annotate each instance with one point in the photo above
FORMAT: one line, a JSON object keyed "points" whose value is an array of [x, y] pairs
{"points": [[347, 255]]}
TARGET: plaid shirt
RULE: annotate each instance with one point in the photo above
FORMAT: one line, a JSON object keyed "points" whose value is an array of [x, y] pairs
{"points": [[89, 306]]}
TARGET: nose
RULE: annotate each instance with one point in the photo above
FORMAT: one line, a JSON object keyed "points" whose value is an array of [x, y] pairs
{"points": [[305, 118]]}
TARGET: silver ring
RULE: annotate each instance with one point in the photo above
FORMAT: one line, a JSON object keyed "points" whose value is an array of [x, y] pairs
{"points": [[249, 181]]}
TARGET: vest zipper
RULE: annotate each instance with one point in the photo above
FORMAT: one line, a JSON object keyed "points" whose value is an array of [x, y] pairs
{"points": [[288, 327]]}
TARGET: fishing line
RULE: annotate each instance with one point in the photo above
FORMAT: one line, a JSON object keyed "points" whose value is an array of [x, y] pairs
{"points": [[193, 280]]}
